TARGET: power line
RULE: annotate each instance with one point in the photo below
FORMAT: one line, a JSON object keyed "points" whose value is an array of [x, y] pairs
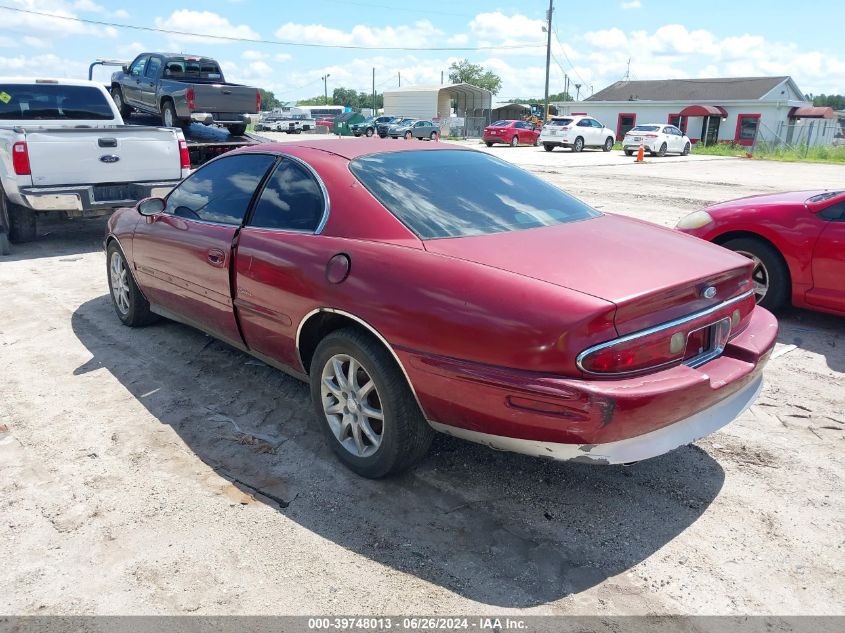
{"points": [[569, 61], [227, 38]]}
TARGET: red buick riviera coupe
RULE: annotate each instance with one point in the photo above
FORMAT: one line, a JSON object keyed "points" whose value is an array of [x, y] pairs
{"points": [[795, 239], [422, 287]]}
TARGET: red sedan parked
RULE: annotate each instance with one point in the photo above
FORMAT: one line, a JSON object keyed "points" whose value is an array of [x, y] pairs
{"points": [[796, 241], [498, 309], [512, 133]]}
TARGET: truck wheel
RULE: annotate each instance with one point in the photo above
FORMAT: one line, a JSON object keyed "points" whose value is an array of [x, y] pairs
{"points": [[22, 223], [237, 129], [117, 97], [168, 115], [365, 406], [5, 245]]}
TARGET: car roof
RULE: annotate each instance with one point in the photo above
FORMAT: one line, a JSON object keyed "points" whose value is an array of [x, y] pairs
{"points": [[351, 148]]}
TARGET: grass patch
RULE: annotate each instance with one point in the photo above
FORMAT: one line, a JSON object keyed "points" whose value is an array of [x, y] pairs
{"points": [[786, 153]]}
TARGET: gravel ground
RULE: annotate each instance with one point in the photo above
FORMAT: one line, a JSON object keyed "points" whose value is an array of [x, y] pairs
{"points": [[130, 462]]}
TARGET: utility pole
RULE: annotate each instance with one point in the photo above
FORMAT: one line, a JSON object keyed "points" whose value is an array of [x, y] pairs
{"points": [[577, 92], [441, 77], [400, 78], [375, 111], [548, 58], [325, 79]]}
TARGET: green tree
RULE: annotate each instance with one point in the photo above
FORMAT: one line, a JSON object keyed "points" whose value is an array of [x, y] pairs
{"points": [[268, 100], [463, 72], [346, 97], [837, 102]]}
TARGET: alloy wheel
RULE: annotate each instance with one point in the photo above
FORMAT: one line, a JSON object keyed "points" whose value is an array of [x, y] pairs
{"points": [[119, 283], [759, 276], [352, 405]]}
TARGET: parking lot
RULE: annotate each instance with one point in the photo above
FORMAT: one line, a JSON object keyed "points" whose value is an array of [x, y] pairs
{"points": [[157, 470]]}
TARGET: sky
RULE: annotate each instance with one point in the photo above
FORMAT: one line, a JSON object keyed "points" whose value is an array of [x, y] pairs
{"points": [[592, 42]]}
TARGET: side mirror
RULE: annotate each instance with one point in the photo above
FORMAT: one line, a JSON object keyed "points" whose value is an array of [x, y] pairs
{"points": [[151, 206], [125, 69]]}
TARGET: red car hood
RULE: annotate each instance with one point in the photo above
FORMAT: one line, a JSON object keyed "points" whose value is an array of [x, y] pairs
{"points": [[651, 273], [778, 199]]}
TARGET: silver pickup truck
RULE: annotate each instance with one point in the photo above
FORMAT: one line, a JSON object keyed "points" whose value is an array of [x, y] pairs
{"points": [[184, 89], [64, 150]]}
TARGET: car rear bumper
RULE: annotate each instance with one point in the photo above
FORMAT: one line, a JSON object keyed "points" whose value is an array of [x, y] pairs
{"points": [[223, 118], [636, 146], [605, 421], [555, 141], [91, 199]]}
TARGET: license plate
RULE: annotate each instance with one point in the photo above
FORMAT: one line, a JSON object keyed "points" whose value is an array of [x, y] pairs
{"points": [[637, 139]]}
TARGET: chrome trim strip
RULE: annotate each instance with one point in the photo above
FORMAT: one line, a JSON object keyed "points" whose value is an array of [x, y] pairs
{"points": [[654, 330], [371, 329]]}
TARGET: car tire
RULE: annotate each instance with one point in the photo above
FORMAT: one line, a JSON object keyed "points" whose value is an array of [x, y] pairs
{"points": [[770, 270], [117, 97], [686, 150], [608, 144], [408, 136], [5, 244], [488, 143], [369, 133], [21, 223], [662, 151], [548, 147], [432, 136], [629, 152], [515, 141], [239, 129], [578, 145], [384, 447], [129, 303]]}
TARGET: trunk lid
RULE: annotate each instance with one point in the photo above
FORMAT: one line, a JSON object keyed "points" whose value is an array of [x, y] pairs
{"points": [[77, 156], [230, 98], [651, 273]]}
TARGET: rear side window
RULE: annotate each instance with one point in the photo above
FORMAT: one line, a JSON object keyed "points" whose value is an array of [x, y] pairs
{"points": [[491, 195], [292, 200], [220, 191], [554, 122], [53, 101]]}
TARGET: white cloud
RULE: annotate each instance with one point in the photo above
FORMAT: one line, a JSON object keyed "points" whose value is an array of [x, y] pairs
{"points": [[47, 65], [120, 14], [204, 23], [282, 57], [131, 50], [249, 54], [40, 25], [497, 29], [421, 33], [88, 5], [632, 4]]}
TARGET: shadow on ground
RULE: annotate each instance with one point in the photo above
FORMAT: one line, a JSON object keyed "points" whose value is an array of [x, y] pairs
{"points": [[61, 238], [497, 528], [816, 332]]}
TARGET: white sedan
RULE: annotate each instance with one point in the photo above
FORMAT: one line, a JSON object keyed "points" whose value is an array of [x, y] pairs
{"points": [[657, 138], [576, 132]]}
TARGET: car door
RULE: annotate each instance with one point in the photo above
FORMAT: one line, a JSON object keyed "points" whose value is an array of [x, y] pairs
{"points": [[281, 262], [422, 129], [149, 81], [523, 133], [585, 131], [829, 261], [182, 255], [675, 139], [599, 133], [132, 85]]}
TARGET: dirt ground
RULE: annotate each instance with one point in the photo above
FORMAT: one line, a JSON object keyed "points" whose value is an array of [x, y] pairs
{"points": [[130, 460]]}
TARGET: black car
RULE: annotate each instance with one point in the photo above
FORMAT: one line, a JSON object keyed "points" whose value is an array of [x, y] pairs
{"points": [[368, 126]]}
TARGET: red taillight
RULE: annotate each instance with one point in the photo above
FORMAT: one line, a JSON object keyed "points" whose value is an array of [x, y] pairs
{"points": [[564, 129], [189, 96], [665, 346], [20, 159], [184, 155], [257, 101]]}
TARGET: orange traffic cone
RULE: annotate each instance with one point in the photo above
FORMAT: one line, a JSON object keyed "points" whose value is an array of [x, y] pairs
{"points": [[640, 155]]}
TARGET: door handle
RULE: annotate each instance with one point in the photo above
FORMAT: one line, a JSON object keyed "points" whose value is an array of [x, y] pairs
{"points": [[216, 257]]}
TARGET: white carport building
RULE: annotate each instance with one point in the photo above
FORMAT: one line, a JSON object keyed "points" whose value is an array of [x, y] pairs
{"points": [[461, 109]]}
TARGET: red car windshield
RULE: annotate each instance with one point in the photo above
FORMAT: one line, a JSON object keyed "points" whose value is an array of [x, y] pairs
{"points": [[490, 196]]}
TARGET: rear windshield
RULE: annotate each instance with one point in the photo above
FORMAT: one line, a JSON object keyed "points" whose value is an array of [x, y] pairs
{"points": [[193, 69], [455, 193], [559, 122], [500, 124], [646, 128], [20, 102]]}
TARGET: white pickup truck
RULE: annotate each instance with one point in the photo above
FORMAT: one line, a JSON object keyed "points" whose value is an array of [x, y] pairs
{"points": [[64, 148]]}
